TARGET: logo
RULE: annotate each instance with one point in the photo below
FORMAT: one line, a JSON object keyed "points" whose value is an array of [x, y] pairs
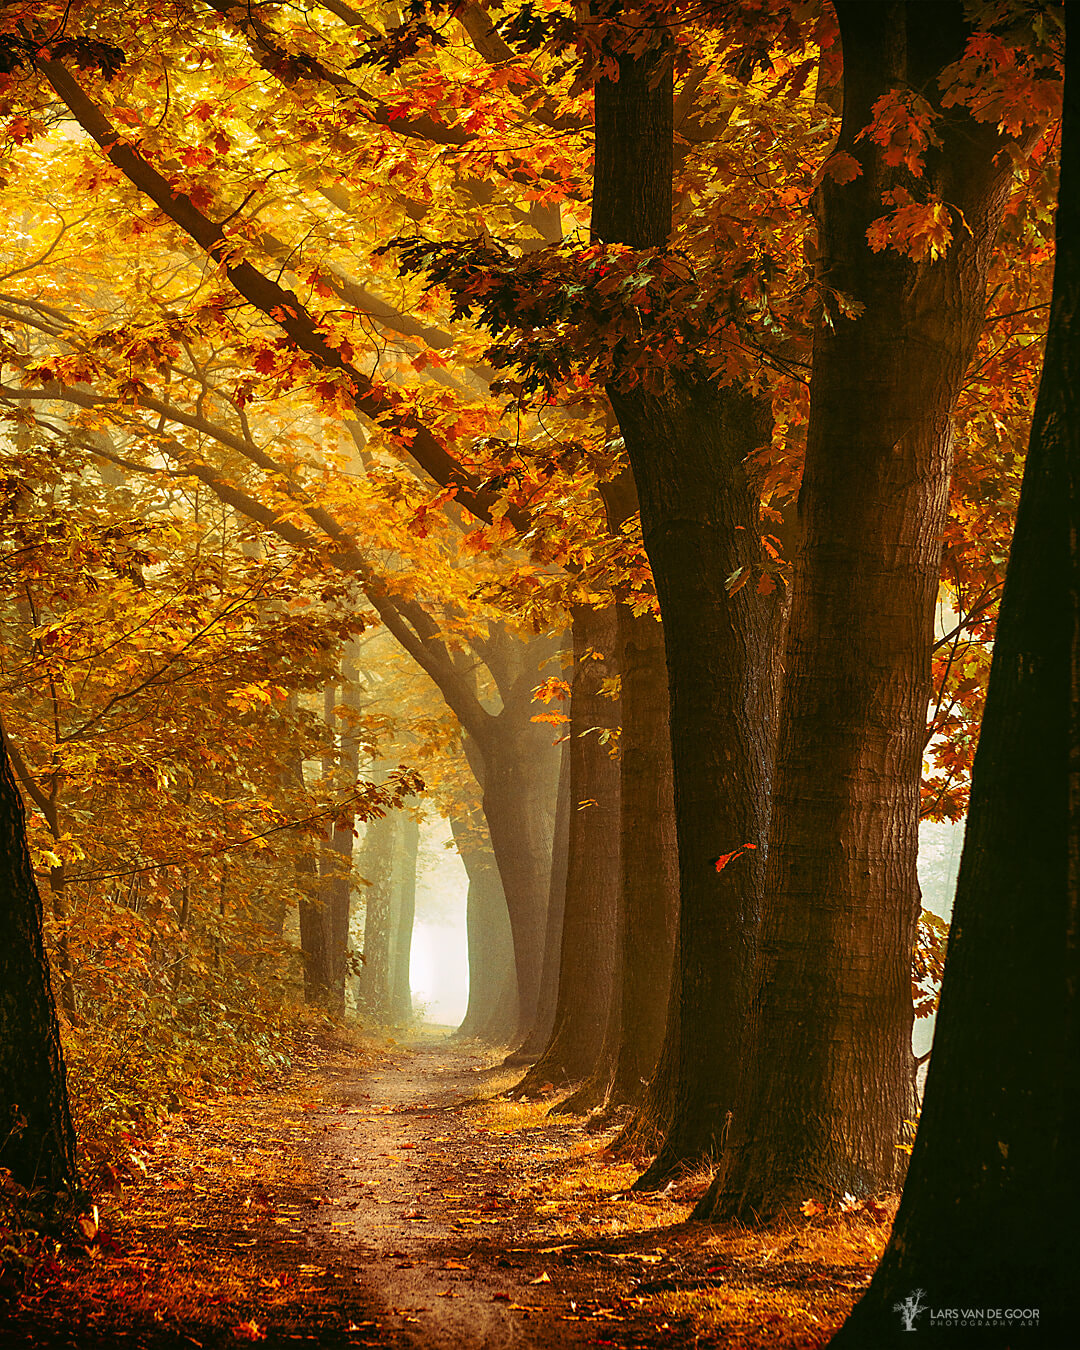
{"points": [[910, 1308]]}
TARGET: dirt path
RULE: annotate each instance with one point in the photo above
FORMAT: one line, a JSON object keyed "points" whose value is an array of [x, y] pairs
{"points": [[391, 1199], [423, 1211]]}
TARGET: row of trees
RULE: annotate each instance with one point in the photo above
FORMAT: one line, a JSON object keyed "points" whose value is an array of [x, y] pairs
{"points": [[741, 346]]}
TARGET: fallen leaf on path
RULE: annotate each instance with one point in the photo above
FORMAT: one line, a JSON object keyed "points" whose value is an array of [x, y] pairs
{"points": [[249, 1331]]}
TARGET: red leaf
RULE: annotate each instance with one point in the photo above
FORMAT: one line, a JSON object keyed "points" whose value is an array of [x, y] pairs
{"points": [[724, 858]]}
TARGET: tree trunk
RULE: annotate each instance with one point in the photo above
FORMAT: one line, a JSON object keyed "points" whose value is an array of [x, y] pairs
{"points": [[335, 882], [530, 1050], [650, 862], [376, 866], [590, 918], [37, 1141], [407, 845], [996, 1152], [314, 937], [687, 445], [518, 806], [829, 1081], [492, 1009], [648, 914]]}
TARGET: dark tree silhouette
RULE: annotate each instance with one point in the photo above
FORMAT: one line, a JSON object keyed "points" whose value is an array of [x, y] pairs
{"points": [[995, 1160], [37, 1142]]}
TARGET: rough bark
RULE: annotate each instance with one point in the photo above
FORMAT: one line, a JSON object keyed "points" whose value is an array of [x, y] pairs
{"points": [[648, 913], [829, 1080], [687, 444], [699, 521], [590, 917], [37, 1141], [996, 1153]]}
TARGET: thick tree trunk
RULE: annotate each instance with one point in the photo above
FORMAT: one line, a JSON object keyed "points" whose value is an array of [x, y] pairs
{"points": [[404, 915], [590, 918], [699, 521], [491, 944], [996, 1153], [687, 445], [532, 1047], [829, 1081], [650, 873], [650, 861], [648, 913], [37, 1141]]}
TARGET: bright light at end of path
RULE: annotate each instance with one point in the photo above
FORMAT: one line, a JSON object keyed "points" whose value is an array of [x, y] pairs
{"points": [[439, 973]]}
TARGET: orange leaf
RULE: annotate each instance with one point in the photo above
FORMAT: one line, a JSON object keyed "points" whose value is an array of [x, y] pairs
{"points": [[841, 168], [724, 858], [248, 1331]]}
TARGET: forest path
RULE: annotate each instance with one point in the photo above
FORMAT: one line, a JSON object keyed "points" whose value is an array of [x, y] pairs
{"points": [[395, 1196], [427, 1206], [372, 1198]]}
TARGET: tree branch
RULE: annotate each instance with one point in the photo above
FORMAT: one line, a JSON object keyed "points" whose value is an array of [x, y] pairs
{"points": [[282, 306], [26, 778]]}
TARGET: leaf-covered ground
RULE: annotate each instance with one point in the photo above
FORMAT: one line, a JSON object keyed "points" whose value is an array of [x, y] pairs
{"points": [[393, 1199]]}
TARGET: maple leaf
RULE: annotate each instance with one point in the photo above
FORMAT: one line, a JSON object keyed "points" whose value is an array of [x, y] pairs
{"points": [[902, 124], [917, 229], [841, 168]]}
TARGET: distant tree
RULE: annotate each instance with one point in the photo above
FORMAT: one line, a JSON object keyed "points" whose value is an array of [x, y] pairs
{"points": [[995, 1161]]}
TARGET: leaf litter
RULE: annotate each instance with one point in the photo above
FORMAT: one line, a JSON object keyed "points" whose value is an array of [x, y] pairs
{"points": [[255, 1219]]}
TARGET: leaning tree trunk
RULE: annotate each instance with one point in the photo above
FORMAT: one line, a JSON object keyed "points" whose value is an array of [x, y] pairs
{"points": [[829, 1084], [687, 444], [37, 1141], [404, 915], [590, 916], [996, 1152]]}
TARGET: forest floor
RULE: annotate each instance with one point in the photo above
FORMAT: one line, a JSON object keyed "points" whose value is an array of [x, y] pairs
{"points": [[398, 1198]]}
